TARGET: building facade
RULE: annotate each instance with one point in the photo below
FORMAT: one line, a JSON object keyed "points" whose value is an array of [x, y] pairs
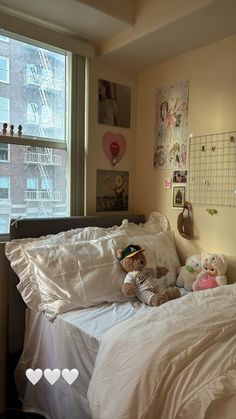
{"points": [[33, 180]]}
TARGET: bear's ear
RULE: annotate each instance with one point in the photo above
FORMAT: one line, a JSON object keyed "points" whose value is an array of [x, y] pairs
{"points": [[119, 254]]}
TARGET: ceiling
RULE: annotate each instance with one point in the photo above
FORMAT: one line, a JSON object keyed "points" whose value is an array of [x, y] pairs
{"points": [[135, 33]]}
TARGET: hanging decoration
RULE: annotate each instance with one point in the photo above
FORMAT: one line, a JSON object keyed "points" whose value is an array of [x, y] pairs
{"points": [[114, 146]]}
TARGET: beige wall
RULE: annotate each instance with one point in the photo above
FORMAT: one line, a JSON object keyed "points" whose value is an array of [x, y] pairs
{"points": [[96, 158], [211, 72], [3, 322]]}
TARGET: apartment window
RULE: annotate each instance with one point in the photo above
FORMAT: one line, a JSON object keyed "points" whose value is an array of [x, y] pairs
{"points": [[4, 188], [46, 167], [32, 74], [46, 184], [47, 78], [4, 69], [32, 113], [4, 109], [4, 223], [47, 116], [32, 184], [4, 152]]}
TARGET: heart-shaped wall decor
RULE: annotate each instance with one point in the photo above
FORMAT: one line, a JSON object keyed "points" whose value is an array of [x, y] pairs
{"points": [[114, 146]]}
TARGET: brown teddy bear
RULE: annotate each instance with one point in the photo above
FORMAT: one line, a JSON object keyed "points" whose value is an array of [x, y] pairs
{"points": [[138, 279]]}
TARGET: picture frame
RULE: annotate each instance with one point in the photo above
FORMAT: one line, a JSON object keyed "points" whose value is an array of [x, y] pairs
{"points": [[180, 176], [114, 104], [112, 190], [178, 196]]}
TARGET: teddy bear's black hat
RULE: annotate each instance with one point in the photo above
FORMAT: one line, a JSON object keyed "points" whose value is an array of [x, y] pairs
{"points": [[131, 250]]}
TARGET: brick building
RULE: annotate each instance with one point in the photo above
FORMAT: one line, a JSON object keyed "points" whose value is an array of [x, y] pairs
{"points": [[33, 180]]}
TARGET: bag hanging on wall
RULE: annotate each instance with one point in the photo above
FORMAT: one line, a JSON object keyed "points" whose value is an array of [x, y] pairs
{"points": [[185, 222]]}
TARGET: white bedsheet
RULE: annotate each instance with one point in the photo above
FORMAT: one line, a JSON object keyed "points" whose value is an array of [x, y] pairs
{"points": [[174, 362], [71, 341]]}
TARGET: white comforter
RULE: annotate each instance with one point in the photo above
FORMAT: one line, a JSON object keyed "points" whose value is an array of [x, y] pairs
{"points": [[177, 361]]}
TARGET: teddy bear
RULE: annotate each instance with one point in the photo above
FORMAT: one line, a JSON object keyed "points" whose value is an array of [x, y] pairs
{"points": [[187, 274], [138, 280], [213, 272]]}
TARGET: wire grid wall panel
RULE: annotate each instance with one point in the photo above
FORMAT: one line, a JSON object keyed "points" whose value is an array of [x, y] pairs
{"points": [[212, 169]]}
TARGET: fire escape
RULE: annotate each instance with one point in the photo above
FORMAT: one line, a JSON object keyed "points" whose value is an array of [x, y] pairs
{"points": [[44, 157]]}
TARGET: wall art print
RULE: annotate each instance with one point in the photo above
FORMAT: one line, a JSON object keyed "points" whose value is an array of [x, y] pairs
{"points": [[114, 146], [112, 190], [178, 196], [114, 104], [171, 123]]}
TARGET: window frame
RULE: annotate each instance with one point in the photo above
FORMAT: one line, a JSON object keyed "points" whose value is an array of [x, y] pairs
{"points": [[7, 70], [74, 144], [7, 216], [8, 110], [8, 189], [36, 184], [8, 154]]}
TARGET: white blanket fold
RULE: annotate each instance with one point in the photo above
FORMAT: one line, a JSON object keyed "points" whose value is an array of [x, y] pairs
{"points": [[170, 362]]}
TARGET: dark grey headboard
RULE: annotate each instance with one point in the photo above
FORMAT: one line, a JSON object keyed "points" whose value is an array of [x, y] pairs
{"points": [[36, 227]]}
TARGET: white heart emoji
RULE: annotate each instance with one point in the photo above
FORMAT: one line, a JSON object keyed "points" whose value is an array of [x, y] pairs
{"points": [[34, 375], [52, 375], [70, 375]]}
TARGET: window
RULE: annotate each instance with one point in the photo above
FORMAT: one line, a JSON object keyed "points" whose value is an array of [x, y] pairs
{"points": [[46, 184], [4, 187], [32, 113], [47, 78], [4, 223], [47, 161], [4, 69], [46, 115], [31, 194], [32, 74], [4, 109], [4, 152], [32, 184]]}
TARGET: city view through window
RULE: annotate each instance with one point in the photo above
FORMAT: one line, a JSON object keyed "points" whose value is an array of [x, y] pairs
{"points": [[33, 179]]}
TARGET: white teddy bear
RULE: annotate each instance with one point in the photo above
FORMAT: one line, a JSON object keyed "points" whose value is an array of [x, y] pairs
{"points": [[187, 274], [213, 271]]}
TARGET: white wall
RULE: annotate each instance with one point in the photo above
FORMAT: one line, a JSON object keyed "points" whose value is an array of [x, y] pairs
{"points": [[211, 72]]}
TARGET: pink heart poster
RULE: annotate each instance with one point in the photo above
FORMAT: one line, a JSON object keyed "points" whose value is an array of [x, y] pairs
{"points": [[114, 146]]}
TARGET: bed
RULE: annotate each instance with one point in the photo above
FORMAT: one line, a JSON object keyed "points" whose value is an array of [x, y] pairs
{"points": [[134, 361]]}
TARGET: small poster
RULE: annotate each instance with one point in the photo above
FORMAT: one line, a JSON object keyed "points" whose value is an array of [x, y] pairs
{"points": [[114, 104], [112, 190]]}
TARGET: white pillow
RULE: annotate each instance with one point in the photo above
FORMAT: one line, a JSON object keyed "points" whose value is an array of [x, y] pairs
{"points": [[56, 278], [69, 236], [160, 250], [156, 223]]}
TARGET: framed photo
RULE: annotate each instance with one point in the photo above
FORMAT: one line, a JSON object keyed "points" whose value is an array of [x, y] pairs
{"points": [[180, 176], [113, 104], [178, 196], [112, 190]]}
